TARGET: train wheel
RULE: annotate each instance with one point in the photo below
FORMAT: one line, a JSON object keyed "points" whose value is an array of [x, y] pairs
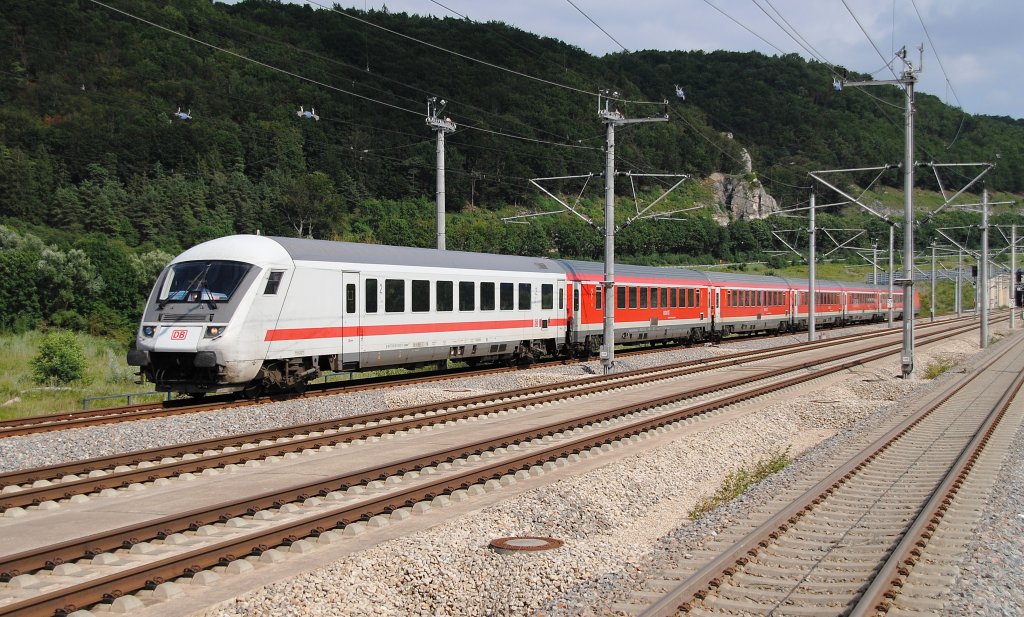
{"points": [[252, 390]]}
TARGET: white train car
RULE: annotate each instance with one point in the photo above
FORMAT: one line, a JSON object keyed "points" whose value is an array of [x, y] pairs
{"points": [[261, 312], [256, 313]]}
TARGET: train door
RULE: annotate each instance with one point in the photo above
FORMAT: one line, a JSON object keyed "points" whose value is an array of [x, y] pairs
{"points": [[575, 310], [349, 351], [713, 307], [787, 298]]}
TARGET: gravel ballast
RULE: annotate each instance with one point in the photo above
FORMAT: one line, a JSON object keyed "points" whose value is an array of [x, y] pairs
{"points": [[614, 520]]}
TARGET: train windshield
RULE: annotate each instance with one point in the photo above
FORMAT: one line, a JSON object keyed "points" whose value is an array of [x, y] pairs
{"points": [[203, 281]]}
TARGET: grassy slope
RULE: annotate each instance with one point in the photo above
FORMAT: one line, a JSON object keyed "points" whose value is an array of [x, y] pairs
{"points": [[21, 396]]}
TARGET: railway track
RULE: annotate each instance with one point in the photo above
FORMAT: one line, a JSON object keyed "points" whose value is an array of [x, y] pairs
{"points": [[183, 545], [47, 485], [876, 531], [143, 411]]}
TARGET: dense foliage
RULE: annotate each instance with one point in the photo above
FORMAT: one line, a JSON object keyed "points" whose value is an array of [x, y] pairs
{"points": [[101, 182], [60, 359]]}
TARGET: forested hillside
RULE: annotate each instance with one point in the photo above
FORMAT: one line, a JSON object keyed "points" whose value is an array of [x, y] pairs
{"points": [[100, 179]]}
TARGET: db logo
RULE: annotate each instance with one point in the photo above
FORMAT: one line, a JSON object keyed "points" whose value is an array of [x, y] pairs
{"points": [[179, 335]]}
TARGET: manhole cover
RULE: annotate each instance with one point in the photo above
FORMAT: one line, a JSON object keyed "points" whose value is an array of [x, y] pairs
{"points": [[524, 543]]}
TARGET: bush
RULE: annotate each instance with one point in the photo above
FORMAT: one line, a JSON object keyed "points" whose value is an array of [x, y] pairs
{"points": [[60, 359]]}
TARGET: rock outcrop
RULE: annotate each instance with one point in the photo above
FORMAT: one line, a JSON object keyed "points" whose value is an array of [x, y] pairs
{"points": [[736, 197]]}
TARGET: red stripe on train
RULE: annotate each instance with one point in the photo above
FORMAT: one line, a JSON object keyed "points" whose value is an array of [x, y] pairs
{"points": [[298, 334]]}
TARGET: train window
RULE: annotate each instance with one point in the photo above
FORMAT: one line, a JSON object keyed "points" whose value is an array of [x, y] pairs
{"points": [[506, 300], [561, 298], [444, 296], [467, 296], [664, 297], [420, 296], [273, 282], [673, 297], [654, 297], [620, 297], [597, 297], [350, 298], [486, 296], [370, 295], [394, 295], [692, 297], [632, 297], [575, 299], [547, 297], [525, 293], [203, 281], [760, 298], [642, 291]]}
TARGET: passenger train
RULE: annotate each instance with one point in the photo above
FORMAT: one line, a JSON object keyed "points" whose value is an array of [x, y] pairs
{"points": [[254, 313]]}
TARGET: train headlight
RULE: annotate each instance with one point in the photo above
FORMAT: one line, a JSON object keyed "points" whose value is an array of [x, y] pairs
{"points": [[214, 331], [148, 331]]}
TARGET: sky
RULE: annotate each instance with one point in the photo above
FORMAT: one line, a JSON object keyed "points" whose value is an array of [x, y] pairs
{"points": [[973, 49]]}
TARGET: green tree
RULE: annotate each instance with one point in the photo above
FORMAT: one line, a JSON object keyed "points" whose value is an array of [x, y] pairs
{"points": [[310, 203], [19, 300], [69, 282]]}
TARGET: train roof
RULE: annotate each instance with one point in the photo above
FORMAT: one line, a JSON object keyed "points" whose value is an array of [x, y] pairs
{"points": [[278, 249], [302, 249], [249, 249], [596, 268]]}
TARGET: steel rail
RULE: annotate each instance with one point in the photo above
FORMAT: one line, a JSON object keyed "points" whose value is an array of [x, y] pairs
{"points": [[77, 419], [710, 575], [36, 495], [877, 597], [507, 400], [127, 536]]}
